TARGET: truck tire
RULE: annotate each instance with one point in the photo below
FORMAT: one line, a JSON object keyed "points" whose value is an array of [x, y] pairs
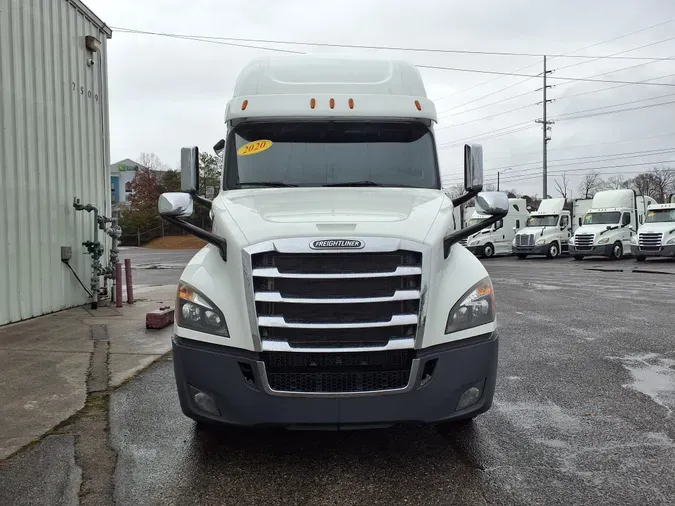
{"points": [[488, 250], [553, 250], [617, 251], [578, 257], [521, 256], [640, 258]]}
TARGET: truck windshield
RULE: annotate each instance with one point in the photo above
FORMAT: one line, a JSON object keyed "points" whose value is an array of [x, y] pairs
{"points": [[543, 221], [331, 154], [604, 218], [661, 215]]}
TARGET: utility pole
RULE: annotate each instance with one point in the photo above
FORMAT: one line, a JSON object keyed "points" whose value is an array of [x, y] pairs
{"points": [[498, 174], [545, 129]]}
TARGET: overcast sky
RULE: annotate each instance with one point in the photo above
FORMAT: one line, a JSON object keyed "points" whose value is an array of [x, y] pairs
{"points": [[166, 92]]}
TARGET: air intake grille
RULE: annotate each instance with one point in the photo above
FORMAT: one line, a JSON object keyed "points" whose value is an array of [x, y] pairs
{"points": [[650, 241]]}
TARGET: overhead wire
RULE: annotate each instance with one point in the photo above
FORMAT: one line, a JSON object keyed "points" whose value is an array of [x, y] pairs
{"points": [[375, 47]]}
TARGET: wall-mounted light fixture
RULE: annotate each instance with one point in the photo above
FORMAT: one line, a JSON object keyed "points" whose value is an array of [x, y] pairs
{"points": [[92, 43]]}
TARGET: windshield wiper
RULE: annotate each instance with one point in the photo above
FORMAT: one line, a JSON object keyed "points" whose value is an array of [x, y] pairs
{"points": [[271, 184], [355, 183]]}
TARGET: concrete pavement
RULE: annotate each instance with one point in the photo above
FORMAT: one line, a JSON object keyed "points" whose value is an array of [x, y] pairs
{"points": [[49, 364]]}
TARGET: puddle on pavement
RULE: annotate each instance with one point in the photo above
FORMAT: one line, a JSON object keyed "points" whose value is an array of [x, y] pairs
{"points": [[653, 375]]}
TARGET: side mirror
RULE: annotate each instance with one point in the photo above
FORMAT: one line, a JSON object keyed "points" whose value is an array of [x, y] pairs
{"points": [[176, 204], [189, 169], [219, 146], [493, 203], [473, 167]]}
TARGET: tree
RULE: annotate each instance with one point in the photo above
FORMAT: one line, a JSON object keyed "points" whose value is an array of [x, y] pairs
{"points": [[209, 173], [663, 180], [142, 213], [616, 183], [644, 184], [169, 181], [151, 161], [562, 186], [590, 184]]}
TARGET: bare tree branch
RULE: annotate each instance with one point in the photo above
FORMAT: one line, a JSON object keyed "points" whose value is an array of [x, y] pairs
{"points": [[562, 185]]}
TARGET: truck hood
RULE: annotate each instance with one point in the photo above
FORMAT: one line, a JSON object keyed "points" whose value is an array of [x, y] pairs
{"points": [[657, 228], [272, 213]]}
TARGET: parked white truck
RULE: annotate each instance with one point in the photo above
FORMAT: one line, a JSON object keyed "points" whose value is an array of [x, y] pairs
{"points": [[497, 239], [609, 225], [656, 238], [548, 229], [332, 291]]}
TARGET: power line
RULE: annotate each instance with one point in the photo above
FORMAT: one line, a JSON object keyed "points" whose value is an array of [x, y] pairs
{"points": [[486, 105], [539, 62], [519, 170], [486, 117], [376, 47], [588, 170], [578, 146], [584, 116], [612, 87], [579, 79]]}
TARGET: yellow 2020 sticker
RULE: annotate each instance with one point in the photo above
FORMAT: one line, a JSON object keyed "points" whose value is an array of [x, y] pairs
{"points": [[254, 147], [650, 214]]}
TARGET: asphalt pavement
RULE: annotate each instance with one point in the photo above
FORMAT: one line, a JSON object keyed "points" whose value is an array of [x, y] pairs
{"points": [[155, 267], [583, 414]]}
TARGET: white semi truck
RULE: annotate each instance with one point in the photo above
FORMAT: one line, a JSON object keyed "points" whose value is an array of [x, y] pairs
{"points": [[332, 291], [610, 224], [656, 238], [549, 228], [497, 239]]}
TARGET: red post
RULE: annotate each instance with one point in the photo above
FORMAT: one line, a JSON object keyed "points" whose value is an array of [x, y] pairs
{"points": [[130, 286], [118, 285]]}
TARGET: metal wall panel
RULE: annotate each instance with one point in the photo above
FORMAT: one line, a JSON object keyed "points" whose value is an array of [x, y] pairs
{"points": [[53, 148]]}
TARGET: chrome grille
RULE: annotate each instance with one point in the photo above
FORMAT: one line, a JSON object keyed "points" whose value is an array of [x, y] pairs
{"points": [[650, 241], [351, 299], [525, 240], [583, 241]]}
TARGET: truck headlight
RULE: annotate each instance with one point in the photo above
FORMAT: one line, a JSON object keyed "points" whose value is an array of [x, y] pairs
{"points": [[195, 311], [476, 307], [513, 243], [634, 240], [604, 240], [540, 242], [572, 240], [671, 240]]}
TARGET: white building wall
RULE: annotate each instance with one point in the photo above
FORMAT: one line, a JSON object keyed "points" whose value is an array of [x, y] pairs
{"points": [[53, 148]]}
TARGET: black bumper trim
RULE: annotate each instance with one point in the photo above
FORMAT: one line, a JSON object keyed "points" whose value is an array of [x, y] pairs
{"points": [[218, 372]]}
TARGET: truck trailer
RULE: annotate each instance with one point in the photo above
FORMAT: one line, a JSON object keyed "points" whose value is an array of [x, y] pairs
{"points": [[333, 291]]}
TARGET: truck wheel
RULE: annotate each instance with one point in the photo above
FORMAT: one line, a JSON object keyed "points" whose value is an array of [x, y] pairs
{"points": [[640, 258], [578, 257], [520, 256], [553, 250], [488, 250], [617, 251]]}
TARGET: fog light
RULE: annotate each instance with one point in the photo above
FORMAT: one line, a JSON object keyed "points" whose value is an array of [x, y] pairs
{"points": [[206, 403], [470, 396]]}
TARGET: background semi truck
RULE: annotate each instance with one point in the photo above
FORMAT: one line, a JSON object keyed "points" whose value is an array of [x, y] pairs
{"points": [[332, 290], [549, 228], [497, 239], [610, 224], [656, 237]]}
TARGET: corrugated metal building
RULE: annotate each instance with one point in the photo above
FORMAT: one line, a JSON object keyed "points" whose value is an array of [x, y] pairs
{"points": [[54, 146]]}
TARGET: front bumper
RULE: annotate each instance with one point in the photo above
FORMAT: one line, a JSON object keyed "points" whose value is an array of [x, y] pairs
{"points": [[530, 250], [217, 372], [604, 250], [477, 250], [663, 251]]}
